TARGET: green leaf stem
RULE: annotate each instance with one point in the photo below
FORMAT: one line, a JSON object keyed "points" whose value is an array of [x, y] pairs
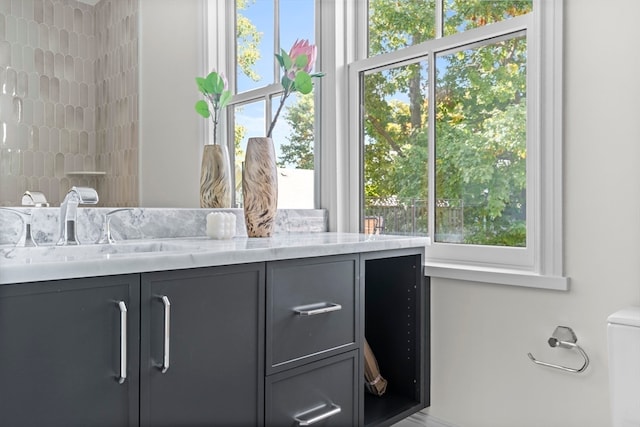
{"points": [[286, 59], [202, 108], [286, 82], [280, 60], [216, 82], [225, 98], [202, 84], [303, 82]]}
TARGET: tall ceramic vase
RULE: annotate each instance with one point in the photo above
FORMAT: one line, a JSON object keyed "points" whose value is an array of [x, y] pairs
{"points": [[215, 177], [260, 187]]}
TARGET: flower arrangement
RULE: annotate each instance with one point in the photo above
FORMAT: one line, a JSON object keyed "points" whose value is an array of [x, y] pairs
{"points": [[214, 89], [296, 66]]}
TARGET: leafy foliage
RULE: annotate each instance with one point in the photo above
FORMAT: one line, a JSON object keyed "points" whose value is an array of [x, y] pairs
{"points": [[395, 24], [248, 40], [299, 151], [214, 89], [481, 139], [480, 119], [462, 15]]}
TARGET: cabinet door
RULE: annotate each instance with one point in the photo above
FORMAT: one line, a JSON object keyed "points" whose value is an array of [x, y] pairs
{"points": [[323, 392], [202, 348], [60, 353]]}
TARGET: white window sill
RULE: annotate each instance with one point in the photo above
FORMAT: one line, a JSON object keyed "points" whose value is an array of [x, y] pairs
{"points": [[495, 275]]}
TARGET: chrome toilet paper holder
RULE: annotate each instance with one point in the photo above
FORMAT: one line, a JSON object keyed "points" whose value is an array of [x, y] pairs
{"points": [[564, 337]]}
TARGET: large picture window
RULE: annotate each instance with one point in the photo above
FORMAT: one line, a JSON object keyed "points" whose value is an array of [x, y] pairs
{"points": [[454, 141], [479, 114]]}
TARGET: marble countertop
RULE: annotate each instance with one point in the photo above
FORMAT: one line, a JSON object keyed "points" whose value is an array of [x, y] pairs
{"points": [[18, 265]]}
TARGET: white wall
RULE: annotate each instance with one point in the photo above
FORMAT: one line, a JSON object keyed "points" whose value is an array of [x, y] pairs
{"points": [[171, 136], [481, 334]]}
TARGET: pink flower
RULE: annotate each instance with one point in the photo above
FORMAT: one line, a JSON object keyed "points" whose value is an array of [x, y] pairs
{"points": [[296, 65], [303, 47]]}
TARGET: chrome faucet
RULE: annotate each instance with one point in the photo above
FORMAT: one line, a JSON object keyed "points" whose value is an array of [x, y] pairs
{"points": [[69, 212]]}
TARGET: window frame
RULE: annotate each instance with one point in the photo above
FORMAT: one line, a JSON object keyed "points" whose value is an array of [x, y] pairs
{"points": [[540, 263], [496, 256]]}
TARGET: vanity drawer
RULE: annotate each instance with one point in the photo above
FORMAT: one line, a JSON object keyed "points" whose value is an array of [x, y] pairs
{"points": [[311, 309], [325, 390]]}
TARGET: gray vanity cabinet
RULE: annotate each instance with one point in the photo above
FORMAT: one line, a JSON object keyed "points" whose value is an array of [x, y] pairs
{"points": [[63, 353], [202, 348], [275, 343]]}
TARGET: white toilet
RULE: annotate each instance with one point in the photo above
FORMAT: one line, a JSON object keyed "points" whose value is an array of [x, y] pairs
{"points": [[623, 331]]}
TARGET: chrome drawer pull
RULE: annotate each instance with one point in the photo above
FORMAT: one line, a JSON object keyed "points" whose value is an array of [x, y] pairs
{"points": [[167, 323], [306, 418], [319, 308], [123, 342]]}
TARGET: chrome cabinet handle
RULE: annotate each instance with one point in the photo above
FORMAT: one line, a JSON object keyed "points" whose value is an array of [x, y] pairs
{"points": [[319, 308], [307, 418], [123, 342], [167, 322]]}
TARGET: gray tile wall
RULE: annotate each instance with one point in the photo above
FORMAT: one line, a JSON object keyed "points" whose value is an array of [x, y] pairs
{"points": [[69, 99]]}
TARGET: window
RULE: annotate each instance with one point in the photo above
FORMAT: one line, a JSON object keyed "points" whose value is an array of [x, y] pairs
{"points": [[395, 148], [481, 143], [459, 136], [245, 48]]}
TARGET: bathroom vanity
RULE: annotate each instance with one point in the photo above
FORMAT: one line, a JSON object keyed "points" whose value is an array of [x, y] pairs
{"points": [[191, 332]]}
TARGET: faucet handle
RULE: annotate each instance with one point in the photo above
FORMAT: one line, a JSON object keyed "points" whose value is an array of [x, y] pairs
{"points": [[86, 195], [34, 198], [26, 239], [105, 235]]}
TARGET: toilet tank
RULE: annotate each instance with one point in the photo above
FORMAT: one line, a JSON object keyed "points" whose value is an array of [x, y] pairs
{"points": [[623, 330]]}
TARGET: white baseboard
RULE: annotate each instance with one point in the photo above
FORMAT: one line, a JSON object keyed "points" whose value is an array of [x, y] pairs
{"points": [[435, 422], [420, 419]]}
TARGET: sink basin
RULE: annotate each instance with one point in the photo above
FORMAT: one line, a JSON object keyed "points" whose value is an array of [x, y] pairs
{"points": [[140, 248], [64, 253]]}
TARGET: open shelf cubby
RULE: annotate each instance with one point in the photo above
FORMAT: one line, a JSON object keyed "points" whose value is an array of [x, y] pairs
{"points": [[397, 329]]}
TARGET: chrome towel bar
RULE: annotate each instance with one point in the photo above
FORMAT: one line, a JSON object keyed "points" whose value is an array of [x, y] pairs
{"points": [[564, 337]]}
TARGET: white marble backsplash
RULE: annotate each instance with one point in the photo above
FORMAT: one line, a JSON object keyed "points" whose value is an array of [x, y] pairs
{"points": [[146, 223]]}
